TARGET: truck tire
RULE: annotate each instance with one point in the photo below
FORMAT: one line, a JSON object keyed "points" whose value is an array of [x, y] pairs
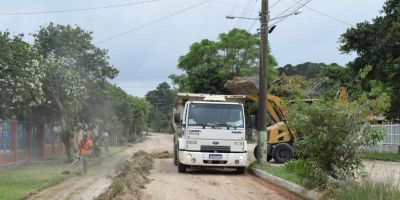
{"points": [[175, 154], [282, 153], [240, 170], [255, 152], [181, 167]]}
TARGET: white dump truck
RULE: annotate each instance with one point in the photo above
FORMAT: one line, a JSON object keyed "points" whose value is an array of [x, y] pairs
{"points": [[210, 131]]}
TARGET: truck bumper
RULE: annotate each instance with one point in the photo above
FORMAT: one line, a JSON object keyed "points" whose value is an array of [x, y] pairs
{"points": [[203, 159]]}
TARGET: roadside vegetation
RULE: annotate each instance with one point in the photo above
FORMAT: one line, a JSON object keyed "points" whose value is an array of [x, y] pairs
{"points": [[68, 79], [381, 156], [22, 181], [130, 178], [365, 190], [25, 180], [283, 172]]}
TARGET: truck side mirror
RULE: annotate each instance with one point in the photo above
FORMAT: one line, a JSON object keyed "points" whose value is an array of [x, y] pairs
{"points": [[177, 118]]}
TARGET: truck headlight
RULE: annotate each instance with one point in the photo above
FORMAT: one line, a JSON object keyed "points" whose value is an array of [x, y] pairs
{"points": [[241, 157], [188, 156], [238, 143], [192, 142]]}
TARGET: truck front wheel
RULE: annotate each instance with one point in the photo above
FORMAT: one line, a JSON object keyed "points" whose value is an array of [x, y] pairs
{"points": [[240, 170], [181, 167], [176, 154], [269, 157]]}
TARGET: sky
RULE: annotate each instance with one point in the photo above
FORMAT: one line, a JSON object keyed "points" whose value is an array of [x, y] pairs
{"points": [[145, 40]]}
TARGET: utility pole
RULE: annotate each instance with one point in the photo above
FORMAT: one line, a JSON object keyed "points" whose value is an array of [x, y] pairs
{"points": [[262, 107]]}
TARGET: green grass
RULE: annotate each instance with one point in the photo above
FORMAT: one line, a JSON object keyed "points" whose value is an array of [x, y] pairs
{"points": [[367, 190], [282, 172], [115, 149], [19, 182], [381, 156]]}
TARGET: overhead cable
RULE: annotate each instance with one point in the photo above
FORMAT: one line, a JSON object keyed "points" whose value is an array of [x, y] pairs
{"points": [[293, 12], [152, 22], [77, 9], [326, 15]]}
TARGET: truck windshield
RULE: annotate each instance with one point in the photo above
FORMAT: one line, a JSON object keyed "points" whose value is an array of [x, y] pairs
{"points": [[218, 115]]}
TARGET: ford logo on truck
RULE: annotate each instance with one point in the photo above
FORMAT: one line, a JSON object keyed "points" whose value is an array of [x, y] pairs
{"points": [[237, 132]]}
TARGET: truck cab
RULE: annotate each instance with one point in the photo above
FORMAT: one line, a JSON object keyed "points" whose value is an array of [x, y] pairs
{"points": [[210, 131]]}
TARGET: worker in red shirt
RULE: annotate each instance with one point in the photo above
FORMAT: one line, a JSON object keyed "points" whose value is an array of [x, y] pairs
{"points": [[85, 151]]}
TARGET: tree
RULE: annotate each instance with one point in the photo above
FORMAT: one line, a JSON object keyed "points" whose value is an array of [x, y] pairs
{"points": [[162, 99], [71, 63], [376, 44], [209, 64], [20, 77]]}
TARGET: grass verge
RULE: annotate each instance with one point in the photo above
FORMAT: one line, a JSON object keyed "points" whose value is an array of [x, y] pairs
{"points": [[22, 181], [282, 172], [366, 190], [381, 156]]}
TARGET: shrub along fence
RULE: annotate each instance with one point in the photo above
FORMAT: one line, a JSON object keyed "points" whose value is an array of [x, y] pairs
{"points": [[23, 141]]}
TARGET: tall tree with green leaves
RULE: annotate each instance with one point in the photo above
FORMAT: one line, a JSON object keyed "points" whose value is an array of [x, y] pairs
{"points": [[20, 77], [209, 64], [377, 45], [71, 64], [162, 100]]}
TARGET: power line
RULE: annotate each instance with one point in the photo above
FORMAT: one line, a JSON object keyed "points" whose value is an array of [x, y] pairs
{"points": [[77, 9], [288, 9], [152, 22], [252, 10], [244, 12], [295, 10], [326, 15], [275, 4], [205, 19], [234, 5]]}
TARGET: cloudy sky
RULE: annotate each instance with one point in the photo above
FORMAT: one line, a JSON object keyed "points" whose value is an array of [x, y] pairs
{"points": [[146, 39]]}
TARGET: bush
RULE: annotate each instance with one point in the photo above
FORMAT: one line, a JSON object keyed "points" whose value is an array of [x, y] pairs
{"points": [[308, 170], [366, 190], [330, 136]]}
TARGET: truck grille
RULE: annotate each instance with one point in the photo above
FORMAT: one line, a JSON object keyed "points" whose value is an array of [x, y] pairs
{"points": [[218, 149]]}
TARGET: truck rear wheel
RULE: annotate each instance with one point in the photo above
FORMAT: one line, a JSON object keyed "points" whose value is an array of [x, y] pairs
{"points": [[282, 153], [269, 157], [181, 167]]}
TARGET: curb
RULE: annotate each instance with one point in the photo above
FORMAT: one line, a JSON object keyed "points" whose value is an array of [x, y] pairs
{"points": [[291, 187]]}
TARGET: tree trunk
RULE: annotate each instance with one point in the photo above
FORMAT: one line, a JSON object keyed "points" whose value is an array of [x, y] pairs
{"points": [[67, 136]]}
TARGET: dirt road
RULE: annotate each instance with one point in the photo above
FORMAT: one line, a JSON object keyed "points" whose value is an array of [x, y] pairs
{"points": [[383, 171], [166, 183], [98, 178]]}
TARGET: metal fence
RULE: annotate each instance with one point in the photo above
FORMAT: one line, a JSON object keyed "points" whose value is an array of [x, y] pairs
{"points": [[22, 135], [392, 134], [5, 136]]}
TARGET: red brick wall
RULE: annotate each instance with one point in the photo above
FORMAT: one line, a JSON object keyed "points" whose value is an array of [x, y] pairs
{"points": [[22, 156], [14, 156], [6, 158]]}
